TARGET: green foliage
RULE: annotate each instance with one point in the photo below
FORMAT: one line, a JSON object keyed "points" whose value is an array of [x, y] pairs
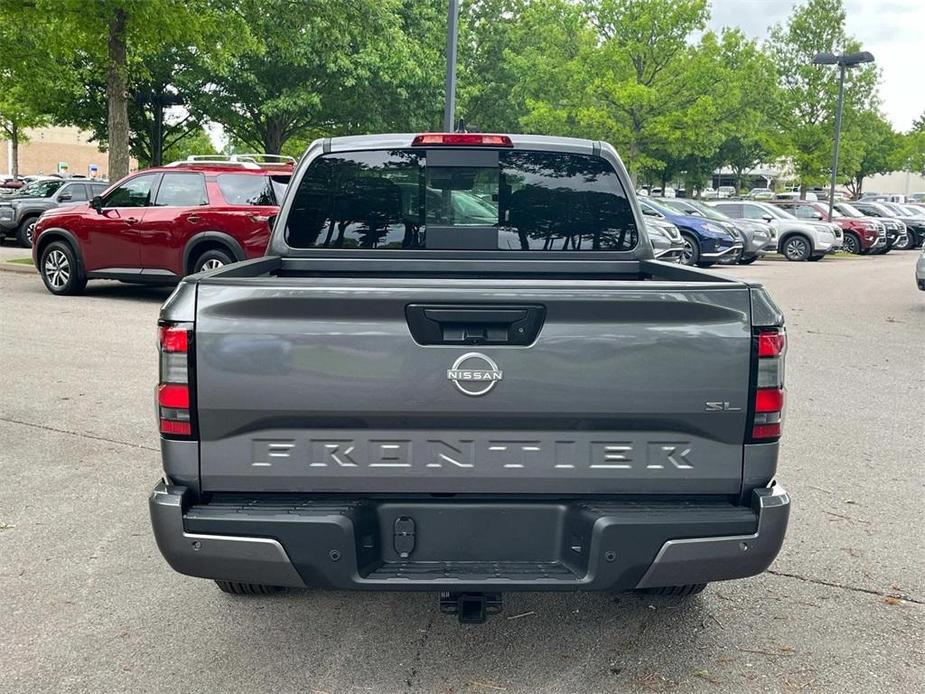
{"points": [[810, 92], [197, 142], [678, 101], [332, 67], [869, 146]]}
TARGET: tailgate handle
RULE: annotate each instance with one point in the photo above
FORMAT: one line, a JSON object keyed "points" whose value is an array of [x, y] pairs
{"points": [[474, 325]]}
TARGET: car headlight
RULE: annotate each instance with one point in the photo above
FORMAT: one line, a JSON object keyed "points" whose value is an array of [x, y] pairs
{"points": [[656, 231], [717, 229]]}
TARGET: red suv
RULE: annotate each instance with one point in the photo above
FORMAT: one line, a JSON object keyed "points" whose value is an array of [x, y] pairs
{"points": [[861, 234], [157, 225]]}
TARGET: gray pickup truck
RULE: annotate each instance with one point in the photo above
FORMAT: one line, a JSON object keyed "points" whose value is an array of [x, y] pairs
{"points": [[459, 369]]}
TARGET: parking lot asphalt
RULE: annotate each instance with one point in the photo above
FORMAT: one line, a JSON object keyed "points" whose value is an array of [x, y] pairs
{"points": [[88, 604]]}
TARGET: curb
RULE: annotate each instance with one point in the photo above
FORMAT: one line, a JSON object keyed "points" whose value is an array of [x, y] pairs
{"points": [[7, 266]]}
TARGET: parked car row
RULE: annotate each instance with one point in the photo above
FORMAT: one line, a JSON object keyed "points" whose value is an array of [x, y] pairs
{"points": [[157, 225], [160, 224]]}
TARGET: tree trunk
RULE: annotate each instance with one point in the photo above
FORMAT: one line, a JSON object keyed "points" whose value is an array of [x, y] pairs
{"points": [[273, 138], [14, 150], [157, 132], [117, 98]]}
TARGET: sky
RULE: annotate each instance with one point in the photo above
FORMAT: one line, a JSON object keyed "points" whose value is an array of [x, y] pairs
{"points": [[893, 30]]}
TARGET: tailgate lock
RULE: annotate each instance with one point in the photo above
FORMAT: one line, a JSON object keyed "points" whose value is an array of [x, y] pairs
{"points": [[404, 536]]}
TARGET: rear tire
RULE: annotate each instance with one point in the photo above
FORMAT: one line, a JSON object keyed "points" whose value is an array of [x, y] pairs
{"points": [[236, 588], [676, 591], [212, 260], [26, 232], [60, 270]]}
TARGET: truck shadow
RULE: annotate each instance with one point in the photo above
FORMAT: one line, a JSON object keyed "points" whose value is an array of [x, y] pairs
{"points": [[128, 292], [541, 641]]}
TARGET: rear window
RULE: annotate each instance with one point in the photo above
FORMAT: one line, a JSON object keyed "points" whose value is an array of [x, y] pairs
{"points": [[250, 189], [461, 199]]}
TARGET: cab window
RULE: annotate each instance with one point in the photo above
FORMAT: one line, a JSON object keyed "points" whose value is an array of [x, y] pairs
{"points": [[75, 192]]}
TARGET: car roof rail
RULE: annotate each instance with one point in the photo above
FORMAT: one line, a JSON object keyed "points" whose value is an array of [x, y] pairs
{"points": [[213, 160], [245, 161], [265, 158]]}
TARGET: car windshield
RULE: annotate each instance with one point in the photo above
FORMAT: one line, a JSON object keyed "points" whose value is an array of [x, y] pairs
{"points": [[777, 212], [682, 206], [902, 209], [39, 189], [663, 207], [848, 210], [710, 212], [880, 209]]}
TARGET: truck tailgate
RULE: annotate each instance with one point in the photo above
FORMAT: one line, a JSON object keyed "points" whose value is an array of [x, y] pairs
{"points": [[317, 385]]}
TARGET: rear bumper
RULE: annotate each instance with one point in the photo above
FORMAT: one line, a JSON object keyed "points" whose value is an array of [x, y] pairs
{"points": [[489, 545]]}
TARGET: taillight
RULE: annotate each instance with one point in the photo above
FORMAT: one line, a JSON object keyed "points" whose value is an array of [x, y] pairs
{"points": [[768, 406], [470, 139], [174, 410]]}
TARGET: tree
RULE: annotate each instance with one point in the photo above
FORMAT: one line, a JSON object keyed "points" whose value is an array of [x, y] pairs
{"points": [[23, 70], [329, 68], [620, 70], [810, 92], [196, 142], [745, 87], [107, 44], [16, 114], [871, 147], [489, 94], [912, 147]]}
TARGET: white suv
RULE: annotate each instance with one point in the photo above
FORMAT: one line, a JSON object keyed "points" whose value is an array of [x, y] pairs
{"points": [[797, 239]]}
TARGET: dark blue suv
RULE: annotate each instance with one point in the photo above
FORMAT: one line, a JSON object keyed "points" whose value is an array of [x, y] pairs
{"points": [[706, 241]]}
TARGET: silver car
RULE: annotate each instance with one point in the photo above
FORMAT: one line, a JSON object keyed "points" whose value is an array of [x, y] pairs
{"points": [[666, 239]]}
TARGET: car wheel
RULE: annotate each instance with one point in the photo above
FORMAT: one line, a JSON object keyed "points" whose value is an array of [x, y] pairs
{"points": [[797, 248], [909, 244], [676, 591], [60, 271], [852, 244], [212, 260], [236, 588], [748, 261], [690, 255], [26, 231]]}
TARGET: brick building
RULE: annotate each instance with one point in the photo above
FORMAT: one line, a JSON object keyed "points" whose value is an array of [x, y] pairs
{"points": [[47, 150]]}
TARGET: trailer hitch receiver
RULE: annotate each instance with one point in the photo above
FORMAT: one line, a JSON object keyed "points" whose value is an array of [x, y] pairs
{"points": [[470, 608]]}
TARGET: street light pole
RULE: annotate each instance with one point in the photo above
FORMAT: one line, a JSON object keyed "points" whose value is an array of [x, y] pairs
{"points": [[449, 106], [841, 105], [844, 62]]}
